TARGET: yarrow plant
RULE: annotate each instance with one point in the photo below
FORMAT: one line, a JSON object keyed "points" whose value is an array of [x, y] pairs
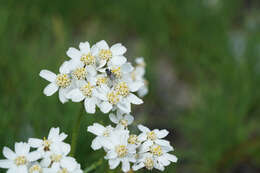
{"points": [[100, 77]]}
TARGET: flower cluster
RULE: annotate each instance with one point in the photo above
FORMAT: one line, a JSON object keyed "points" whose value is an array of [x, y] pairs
{"points": [[100, 76], [148, 149], [50, 156]]}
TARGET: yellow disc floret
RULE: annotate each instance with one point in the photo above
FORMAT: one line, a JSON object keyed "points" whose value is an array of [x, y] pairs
{"points": [[156, 150], [105, 54], [117, 72], [56, 157], [87, 90], [20, 160], [121, 150], [87, 59], [46, 144], [101, 80], [113, 97], [149, 163], [80, 73], [63, 170], [35, 168], [151, 135], [133, 139], [63, 80], [122, 89]]}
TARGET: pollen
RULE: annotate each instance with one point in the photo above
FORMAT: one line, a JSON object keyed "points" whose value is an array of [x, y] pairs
{"points": [[87, 59], [149, 164], [124, 122], [151, 135], [35, 168], [132, 139], [101, 80], [106, 133], [156, 150], [80, 73], [121, 150], [113, 97], [105, 54], [56, 157], [64, 170], [87, 90], [117, 72], [122, 89], [20, 160], [46, 144], [63, 80]]}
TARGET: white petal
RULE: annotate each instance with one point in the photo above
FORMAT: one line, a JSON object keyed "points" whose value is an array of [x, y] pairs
{"points": [[142, 137], [111, 154], [84, 47], [105, 107], [90, 105], [21, 148], [9, 154], [135, 86], [127, 68], [12, 170], [134, 99], [125, 166], [33, 156], [91, 70], [124, 107], [6, 163], [22, 169], [102, 44], [143, 128], [73, 53], [96, 129], [62, 95], [118, 60], [113, 163], [162, 142], [118, 49], [129, 119], [50, 89], [69, 163], [113, 118], [48, 75], [65, 148], [96, 144], [164, 161], [35, 143], [138, 166], [54, 132], [76, 95], [162, 133], [66, 67], [171, 157]]}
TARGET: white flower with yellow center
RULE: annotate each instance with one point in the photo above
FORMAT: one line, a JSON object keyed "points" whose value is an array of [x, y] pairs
{"points": [[121, 119], [19, 160], [102, 133], [118, 150], [55, 139], [61, 82], [85, 91], [113, 55], [35, 167], [154, 136]]}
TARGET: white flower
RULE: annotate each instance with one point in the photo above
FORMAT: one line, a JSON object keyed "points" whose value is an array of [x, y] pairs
{"points": [[87, 92], [60, 81], [113, 55], [154, 136], [55, 139], [155, 156], [35, 167], [118, 150], [121, 120], [102, 133], [18, 161]]}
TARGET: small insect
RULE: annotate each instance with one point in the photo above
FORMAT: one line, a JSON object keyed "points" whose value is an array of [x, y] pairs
{"points": [[110, 74]]}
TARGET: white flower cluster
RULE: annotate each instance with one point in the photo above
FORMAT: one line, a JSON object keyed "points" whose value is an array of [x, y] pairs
{"points": [[100, 76], [49, 156], [148, 149]]}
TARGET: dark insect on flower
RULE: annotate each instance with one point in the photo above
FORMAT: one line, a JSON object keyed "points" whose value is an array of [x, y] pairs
{"points": [[110, 74]]}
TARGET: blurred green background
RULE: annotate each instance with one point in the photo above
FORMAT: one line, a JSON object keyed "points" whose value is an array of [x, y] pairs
{"points": [[203, 68]]}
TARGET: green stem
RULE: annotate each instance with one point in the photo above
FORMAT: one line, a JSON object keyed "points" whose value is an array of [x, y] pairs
{"points": [[93, 166], [75, 131]]}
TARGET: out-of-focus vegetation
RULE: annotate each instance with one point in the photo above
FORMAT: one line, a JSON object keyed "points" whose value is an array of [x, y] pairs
{"points": [[203, 67]]}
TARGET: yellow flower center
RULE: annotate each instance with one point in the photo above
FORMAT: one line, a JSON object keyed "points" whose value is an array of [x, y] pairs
{"points": [[121, 150], [20, 160], [151, 135], [117, 72], [122, 89], [64, 170], [123, 122], [149, 163], [63, 80], [113, 97], [105, 54], [56, 157], [87, 59], [87, 90], [132, 139], [80, 73], [46, 144], [35, 168], [101, 80], [156, 150]]}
